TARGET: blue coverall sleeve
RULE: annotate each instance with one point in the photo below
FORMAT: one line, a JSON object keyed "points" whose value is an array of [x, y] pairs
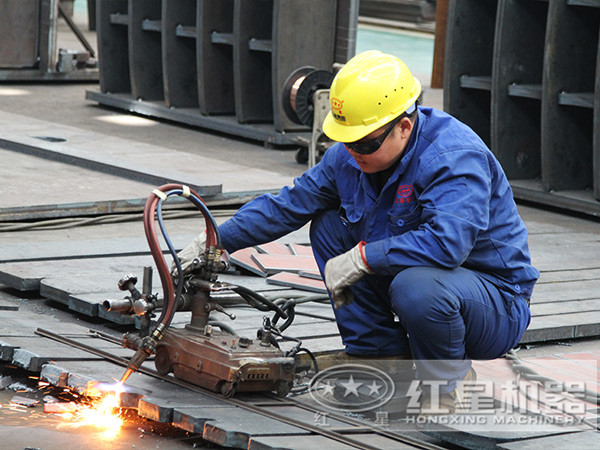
{"points": [[270, 217], [455, 190]]}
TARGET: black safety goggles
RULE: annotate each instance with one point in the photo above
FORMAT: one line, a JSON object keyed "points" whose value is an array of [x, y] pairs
{"points": [[368, 147]]}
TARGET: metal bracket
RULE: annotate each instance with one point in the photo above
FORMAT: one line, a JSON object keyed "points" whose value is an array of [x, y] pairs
{"points": [[41, 59], [319, 142]]}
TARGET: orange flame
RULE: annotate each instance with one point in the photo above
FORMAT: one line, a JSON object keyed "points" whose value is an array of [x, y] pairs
{"points": [[100, 414]]}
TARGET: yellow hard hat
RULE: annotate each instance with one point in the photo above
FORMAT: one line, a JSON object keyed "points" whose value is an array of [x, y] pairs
{"points": [[371, 89]]}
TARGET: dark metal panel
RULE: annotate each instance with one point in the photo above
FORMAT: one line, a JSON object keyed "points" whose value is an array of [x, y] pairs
{"points": [[113, 51], [515, 122], [19, 33], [160, 405], [596, 138], [145, 61], [35, 75], [411, 11], [47, 33], [241, 63], [22, 213], [179, 54], [322, 442], [112, 167], [577, 200], [215, 56], [27, 277], [582, 99], [346, 29], [586, 439], [252, 19], [533, 91], [475, 82], [91, 7], [233, 427], [463, 436], [569, 62], [556, 117], [293, 49], [591, 3], [7, 351], [469, 51], [224, 124]]}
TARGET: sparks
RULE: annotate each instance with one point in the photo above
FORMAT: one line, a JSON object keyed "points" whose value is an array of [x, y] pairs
{"points": [[101, 414]]}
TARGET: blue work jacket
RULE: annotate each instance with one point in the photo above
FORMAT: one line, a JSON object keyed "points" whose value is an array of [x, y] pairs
{"points": [[447, 204]]}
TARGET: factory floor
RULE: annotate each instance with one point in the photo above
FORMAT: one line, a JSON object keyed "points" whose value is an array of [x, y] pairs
{"points": [[64, 104]]}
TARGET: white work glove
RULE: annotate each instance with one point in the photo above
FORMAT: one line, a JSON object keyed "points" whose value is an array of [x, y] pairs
{"points": [[186, 256], [343, 271]]}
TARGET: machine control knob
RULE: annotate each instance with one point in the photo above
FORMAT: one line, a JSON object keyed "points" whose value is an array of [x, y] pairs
{"points": [[124, 283], [245, 342]]}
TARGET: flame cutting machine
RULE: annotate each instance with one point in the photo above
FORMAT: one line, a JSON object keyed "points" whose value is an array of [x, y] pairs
{"points": [[204, 353]]}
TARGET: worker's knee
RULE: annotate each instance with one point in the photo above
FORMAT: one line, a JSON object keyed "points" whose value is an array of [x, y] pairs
{"points": [[416, 292]]}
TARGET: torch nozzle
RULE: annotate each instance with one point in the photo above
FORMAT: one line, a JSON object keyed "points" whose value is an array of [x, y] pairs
{"points": [[125, 376], [134, 364]]}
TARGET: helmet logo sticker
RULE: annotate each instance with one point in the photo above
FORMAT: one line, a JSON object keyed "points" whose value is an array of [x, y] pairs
{"points": [[337, 104], [336, 109]]}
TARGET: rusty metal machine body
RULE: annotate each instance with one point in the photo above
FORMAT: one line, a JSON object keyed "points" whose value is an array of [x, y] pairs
{"points": [[224, 363], [205, 352], [202, 354]]}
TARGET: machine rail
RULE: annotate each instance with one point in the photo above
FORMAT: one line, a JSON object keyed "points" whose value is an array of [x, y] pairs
{"points": [[340, 434]]}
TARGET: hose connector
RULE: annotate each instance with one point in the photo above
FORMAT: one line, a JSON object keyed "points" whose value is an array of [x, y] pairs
{"points": [[147, 348]]}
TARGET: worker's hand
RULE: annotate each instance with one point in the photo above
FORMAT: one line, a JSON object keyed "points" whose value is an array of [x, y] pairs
{"points": [[186, 256], [343, 271]]}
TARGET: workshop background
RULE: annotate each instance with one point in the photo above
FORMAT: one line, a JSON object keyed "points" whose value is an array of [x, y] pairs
{"points": [[101, 101]]}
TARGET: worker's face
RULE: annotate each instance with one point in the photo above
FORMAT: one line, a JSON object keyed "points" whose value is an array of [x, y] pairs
{"points": [[390, 150]]}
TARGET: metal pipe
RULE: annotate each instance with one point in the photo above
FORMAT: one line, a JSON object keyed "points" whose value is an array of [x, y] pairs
{"points": [[147, 281], [123, 306]]}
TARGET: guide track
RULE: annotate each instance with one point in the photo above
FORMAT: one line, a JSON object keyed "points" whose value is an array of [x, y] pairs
{"points": [[342, 434]]}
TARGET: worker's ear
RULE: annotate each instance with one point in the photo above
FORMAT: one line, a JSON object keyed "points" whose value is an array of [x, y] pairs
{"points": [[406, 127]]}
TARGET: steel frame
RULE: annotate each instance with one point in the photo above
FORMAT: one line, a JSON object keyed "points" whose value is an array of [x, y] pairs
{"points": [[45, 56]]}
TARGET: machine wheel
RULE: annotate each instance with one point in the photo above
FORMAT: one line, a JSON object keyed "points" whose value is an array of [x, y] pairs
{"points": [[283, 388], [302, 155], [162, 361], [228, 389]]}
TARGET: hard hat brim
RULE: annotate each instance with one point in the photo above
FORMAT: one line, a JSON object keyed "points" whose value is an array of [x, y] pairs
{"points": [[344, 132]]}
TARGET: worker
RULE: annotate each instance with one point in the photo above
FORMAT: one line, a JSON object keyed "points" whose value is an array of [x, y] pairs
{"points": [[413, 226]]}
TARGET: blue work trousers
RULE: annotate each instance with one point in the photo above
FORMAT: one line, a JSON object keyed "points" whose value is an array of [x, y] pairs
{"points": [[442, 317]]}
